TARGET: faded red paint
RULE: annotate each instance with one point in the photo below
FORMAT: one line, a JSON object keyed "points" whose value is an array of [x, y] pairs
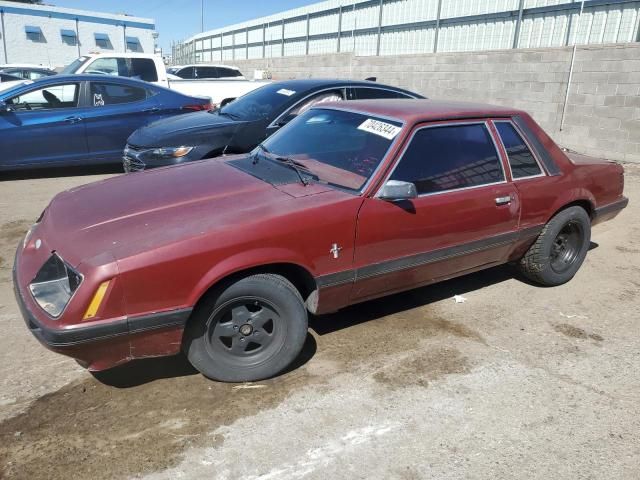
{"points": [[166, 236]]}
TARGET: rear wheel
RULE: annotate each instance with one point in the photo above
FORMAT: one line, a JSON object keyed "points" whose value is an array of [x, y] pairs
{"points": [[247, 330], [560, 249]]}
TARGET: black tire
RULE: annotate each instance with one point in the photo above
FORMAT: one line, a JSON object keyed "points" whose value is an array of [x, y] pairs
{"points": [[560, 248], [247, 330]]}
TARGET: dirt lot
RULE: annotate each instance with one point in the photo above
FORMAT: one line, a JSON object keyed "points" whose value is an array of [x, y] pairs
{"points": [[517, 382]]}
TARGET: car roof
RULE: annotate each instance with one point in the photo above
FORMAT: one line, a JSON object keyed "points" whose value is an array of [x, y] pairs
{"points": [[91, 78], [412, 111], [24, 65], [205, 65], [39, 69], [311, 83]]}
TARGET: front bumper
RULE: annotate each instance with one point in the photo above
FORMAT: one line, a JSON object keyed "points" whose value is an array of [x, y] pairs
{"points": [[106, 343], [131, 164]]}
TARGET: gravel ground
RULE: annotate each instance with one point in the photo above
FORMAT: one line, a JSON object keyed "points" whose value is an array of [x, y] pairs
{"points": [[517, 382]]}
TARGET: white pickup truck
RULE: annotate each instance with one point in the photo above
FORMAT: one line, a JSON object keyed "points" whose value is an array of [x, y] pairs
{"points": [[151, 68]]}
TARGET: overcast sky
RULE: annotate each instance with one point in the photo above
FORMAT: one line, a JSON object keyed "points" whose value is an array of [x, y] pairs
{"points": [[179, 19]]}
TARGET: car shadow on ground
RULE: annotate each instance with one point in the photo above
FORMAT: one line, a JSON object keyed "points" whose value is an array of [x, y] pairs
{"points": [[419, 297], [58, 172], [140, 372]]}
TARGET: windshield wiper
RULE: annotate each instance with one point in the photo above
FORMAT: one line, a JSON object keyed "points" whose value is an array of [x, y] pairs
{"points": [[232, 116], [261, 148], [296, 166]]}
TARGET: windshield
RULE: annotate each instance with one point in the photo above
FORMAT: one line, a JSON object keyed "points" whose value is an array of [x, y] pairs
{"points": [[259, 103], [335, 147], [74, 66]]}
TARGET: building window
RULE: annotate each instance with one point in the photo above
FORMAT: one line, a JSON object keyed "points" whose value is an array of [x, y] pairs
{"points": [[103, 41], [69, 37], [34, 33], [133, 44]]}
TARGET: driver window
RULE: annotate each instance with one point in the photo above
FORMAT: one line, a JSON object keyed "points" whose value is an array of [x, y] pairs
{"points": [[333, 96], [55, 96], [444, 158]]}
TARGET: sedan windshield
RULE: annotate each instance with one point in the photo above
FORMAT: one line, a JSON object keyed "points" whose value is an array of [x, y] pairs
{"points": [[259, 103], [334, 147]]}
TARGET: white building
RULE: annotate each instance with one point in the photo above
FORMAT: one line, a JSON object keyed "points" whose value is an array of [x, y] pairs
{"points": [[54, 36], [393, 27]]}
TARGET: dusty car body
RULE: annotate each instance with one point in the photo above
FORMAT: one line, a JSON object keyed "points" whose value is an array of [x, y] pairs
{"points": [[244, 246]]}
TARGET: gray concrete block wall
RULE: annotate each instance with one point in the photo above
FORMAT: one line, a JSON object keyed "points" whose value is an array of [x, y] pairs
{"points": [[603, 111]]}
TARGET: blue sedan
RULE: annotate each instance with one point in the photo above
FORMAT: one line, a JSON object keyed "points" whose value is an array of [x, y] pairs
{"points": [[67, 120]]}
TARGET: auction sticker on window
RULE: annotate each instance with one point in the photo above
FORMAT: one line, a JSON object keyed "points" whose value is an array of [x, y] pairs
{"points": [[382, 129], [284, 91]]}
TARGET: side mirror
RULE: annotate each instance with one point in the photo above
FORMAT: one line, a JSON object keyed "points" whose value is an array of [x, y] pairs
{"points": [[395, 190], [5, 107]]}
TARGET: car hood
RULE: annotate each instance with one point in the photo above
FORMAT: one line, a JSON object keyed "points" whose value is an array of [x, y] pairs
{"points": [[189, 129], [134, 213]]}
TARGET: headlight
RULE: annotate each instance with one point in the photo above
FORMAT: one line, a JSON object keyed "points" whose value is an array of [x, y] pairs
{"points": [[171, 152], [54, 285]]}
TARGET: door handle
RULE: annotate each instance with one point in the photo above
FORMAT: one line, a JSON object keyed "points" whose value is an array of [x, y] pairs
{"points": [[503, 200], [73, 119], [151, 110]]}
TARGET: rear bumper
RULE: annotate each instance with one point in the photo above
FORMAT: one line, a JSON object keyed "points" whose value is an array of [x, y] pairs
{"points": [[609, 211]]}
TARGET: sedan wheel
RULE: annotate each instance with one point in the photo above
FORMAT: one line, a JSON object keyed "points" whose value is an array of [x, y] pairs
{"points": [[247, 330], [560, 249]]}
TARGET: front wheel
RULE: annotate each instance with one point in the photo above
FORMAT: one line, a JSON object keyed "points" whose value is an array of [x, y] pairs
{"points": [[560, 249], [248, 330]]}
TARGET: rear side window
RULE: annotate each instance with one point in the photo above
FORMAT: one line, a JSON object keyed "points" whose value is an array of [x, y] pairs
{"points": [[368, 93], [186, 73], [207, 72], [523, 163], [445, 158], [144, 69], [111, 94]]}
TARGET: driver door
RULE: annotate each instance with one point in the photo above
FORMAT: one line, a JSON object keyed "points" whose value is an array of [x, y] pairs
{"points": [[45, 125], [464, 218]]}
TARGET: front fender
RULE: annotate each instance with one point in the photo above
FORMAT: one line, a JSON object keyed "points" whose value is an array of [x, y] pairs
{"points": [[260, 257]]}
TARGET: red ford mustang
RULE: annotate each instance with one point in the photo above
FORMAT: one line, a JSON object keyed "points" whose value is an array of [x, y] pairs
{"points": [[225, 258]]}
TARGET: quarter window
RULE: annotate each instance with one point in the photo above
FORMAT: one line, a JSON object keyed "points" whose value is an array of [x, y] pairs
{"points": [[523, 163], [449, 158]]}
